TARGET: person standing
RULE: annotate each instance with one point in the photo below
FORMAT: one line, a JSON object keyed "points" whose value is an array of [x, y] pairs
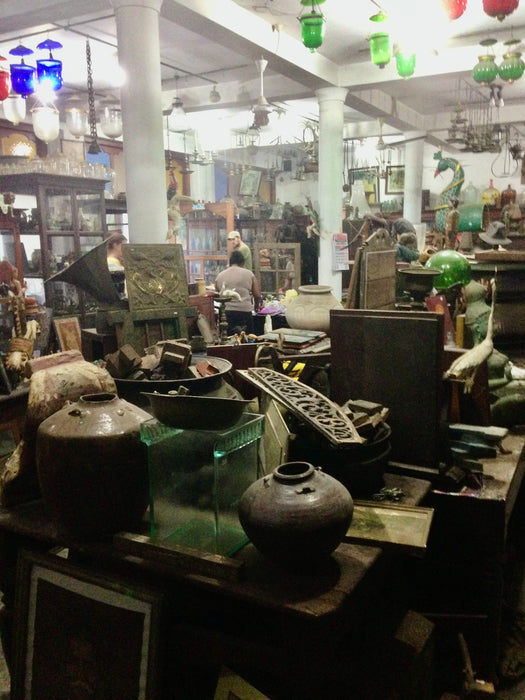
{"points": [[238, 244], [239, 311]]}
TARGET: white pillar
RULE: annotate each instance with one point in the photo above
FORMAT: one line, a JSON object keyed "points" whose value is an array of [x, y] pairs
{"points": [[413, 178], [331, 123], [139, 56]]}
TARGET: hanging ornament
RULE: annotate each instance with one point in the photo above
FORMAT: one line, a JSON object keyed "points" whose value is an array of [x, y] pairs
{"points": [[454, 8], [500, 8], [312, 25], [22, 75], [49, 70]]}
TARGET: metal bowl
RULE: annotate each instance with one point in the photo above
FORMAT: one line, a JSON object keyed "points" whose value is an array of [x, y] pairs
{"points": [[133, 390], [196, 412]]}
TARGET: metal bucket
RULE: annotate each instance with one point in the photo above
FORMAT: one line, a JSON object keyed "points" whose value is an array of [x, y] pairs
{"points": [[473, 217]]}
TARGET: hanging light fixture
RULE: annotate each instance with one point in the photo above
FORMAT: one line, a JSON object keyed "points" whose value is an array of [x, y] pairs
{"points": [[46, 123], [77, 116], [5, 79], [406, 64], [178, 119], [22, 75], [312, 24], [380, 51], [49, 70], [110, 114], [14, 108], [454, 8], [215, 95], [485, 70], [512, 67], [261, 109], [500, 8]]}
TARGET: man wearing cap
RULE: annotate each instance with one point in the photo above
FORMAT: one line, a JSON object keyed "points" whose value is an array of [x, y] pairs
{"points": [[237, 244]]}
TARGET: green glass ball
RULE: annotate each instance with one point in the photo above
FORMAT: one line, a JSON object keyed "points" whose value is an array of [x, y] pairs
{"points": [[454, 268]]}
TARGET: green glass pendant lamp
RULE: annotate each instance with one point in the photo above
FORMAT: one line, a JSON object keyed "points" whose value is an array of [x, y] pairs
{"points": [[405, 64], [485, 71], [312, 24], [380, 50], [512, 67]]}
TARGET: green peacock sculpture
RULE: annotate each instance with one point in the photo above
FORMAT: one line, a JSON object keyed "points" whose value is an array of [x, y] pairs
{"points": [[451, 190]]}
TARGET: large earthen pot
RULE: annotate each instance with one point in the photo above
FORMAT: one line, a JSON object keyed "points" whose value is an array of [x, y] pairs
{"points": [[297, 515], [310, 309], [92, 466]]}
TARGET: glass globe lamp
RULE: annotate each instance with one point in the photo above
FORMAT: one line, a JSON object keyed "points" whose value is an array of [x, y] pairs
{"points": [[14, 108], [46, 124], [512, 67], [485, 71], [454, 267]]}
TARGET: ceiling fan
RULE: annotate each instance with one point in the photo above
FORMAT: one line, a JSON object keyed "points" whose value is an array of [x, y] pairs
{"points": [[261, 109]]}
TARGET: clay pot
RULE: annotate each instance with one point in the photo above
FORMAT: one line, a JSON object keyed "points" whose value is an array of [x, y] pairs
{"points": [[310, 309], [92, 466], [297, 515]]}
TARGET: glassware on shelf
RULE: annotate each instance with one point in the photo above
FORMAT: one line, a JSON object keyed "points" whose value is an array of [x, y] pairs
{"points": [[471, 194], [490, 195], [508, 196]]}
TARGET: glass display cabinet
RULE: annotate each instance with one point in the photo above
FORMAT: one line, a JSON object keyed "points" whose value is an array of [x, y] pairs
{"points": [[204, 239], [277, 266], [66, 220]]}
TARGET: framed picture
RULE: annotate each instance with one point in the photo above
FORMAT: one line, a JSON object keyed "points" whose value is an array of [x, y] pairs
{"points": [[68, 333], [250, 182], [370, 179], [395, 179], [391, 525], [79, 634]]}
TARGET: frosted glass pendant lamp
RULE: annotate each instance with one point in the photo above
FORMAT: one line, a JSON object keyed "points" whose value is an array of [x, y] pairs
{"points": [[46, 124], [14, 108]]}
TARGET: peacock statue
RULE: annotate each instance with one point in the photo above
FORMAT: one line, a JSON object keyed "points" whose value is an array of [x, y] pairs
{"points": [[451, 190]]}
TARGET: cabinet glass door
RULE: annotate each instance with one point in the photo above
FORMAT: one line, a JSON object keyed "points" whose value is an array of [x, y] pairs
{"points": [[89, 212], [58, 210]]}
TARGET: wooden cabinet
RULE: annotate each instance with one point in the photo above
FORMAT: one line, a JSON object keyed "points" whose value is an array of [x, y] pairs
{"points": [[67, 219], [278, 266], [204, 239]]}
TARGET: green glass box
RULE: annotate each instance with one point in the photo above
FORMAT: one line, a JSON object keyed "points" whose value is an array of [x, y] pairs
{"points": [[196, 479]]}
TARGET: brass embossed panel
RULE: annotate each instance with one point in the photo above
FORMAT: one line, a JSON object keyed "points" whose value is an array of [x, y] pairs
{"points": [[155, 276]]}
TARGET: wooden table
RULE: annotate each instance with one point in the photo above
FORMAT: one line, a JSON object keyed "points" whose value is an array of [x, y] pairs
{"points": [[461, 580], [300, 632]]}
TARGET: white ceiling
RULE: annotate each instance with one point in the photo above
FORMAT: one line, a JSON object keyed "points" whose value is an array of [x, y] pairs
{"points": [[216, 42]]}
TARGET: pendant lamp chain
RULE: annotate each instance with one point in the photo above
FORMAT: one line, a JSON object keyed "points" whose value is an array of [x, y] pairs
{"points": [[94, 146]]}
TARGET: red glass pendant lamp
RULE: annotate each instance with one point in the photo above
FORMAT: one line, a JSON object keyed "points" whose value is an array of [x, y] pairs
{"points": [[500, 8], [454, 8]]}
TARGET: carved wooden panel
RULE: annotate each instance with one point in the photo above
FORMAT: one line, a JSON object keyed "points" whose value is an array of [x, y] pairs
{"points": [[155, 276]]}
